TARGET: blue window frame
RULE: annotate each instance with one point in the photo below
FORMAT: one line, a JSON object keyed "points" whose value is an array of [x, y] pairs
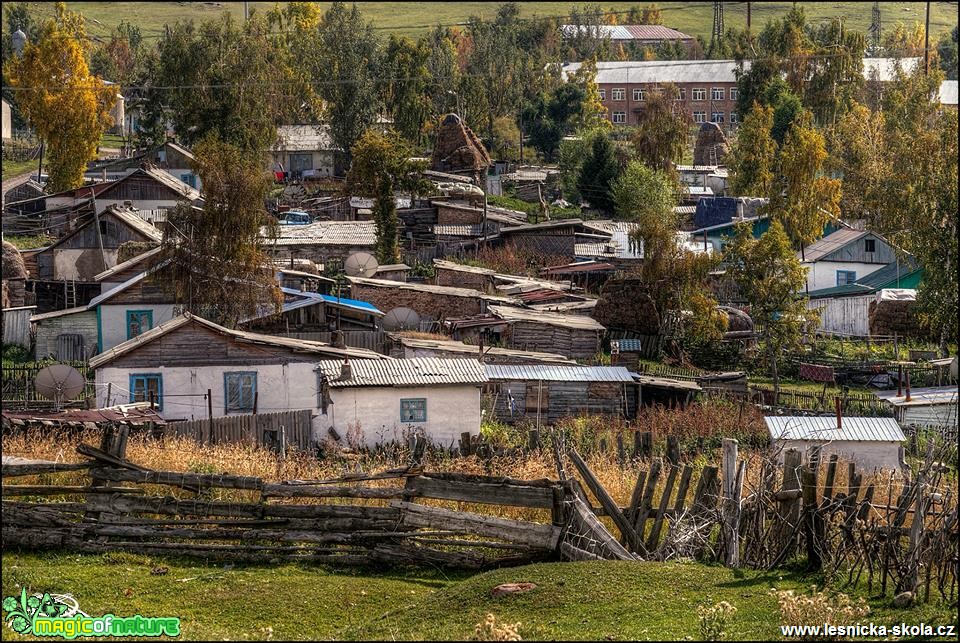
{"points": [[138, 322], [239, 391], [143, 384], [845, 277], [413, 410], [190, 179]]}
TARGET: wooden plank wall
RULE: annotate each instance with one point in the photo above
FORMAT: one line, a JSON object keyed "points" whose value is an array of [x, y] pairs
{"points": [[293, 427], [16, 326]]}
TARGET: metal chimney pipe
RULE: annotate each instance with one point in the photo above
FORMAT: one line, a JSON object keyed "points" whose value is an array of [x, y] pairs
{"points": [[908, 386], [900, 380], [839, 413]]}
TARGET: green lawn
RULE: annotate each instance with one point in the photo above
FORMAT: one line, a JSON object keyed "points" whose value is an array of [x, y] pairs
{"points": [[600, 600], [695, 18], [16, 168]]}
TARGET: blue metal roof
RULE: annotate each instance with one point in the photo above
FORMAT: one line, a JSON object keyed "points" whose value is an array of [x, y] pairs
{"points": [[350, 303]]}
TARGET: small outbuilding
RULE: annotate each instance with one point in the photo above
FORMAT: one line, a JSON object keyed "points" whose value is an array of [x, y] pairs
{"points": [[871, 442], [576, 336], [932, 407]]}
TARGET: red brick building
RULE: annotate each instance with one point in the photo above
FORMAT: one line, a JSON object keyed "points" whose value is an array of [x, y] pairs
{"points": [[707, 89]]}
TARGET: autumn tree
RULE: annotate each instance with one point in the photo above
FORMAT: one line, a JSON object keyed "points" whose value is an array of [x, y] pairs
{"points": [[857, 153], [66, 106], [752, 160], [212, 258], [597, 174], [803, 198], [947, 53], [593, 115], [662, 129], [407, 85], [381, 166], [675, 278], [769, 274], [228, 81]]}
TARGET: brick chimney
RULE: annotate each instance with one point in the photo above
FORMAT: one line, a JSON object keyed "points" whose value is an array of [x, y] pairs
{"points": [[338, 341], [346, 371]]}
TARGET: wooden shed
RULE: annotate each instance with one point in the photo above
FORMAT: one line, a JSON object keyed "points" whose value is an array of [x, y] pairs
{"points": [[429, 301], [448, 273], [930, 407], [557, 238], [546, 393], [66, 335], [871, 442], [574, 336]]}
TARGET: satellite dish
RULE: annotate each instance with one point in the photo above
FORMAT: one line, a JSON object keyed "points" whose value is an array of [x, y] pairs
{"points": [[361, 264], [401, 318], [59, 382]]}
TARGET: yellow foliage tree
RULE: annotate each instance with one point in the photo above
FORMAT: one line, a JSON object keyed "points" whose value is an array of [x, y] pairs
{"points": [[593, 114], [67, 107]]}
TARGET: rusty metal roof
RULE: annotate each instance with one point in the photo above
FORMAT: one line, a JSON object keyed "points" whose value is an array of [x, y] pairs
{"points": [[351, 233], [573, 322], [133, 413], [559, 373], [824, 429], [421, 371]]}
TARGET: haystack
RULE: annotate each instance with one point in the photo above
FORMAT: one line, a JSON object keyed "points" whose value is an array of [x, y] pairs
{"points": [[457, 149], [14, 276], [889, 317], [711, 147], [625, 304]]}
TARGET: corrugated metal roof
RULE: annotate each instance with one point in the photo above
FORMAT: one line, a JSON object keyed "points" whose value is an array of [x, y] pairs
{"points": [[627, 32], [460, 347], [824, 428], [922, 396], [885, 68], [549, 372], [833, 241], [948, 92], [574, 322], [663, 71], [304, 138], [352, 233], [458, 230], [887, 277], [627, 345], [421, 371]]}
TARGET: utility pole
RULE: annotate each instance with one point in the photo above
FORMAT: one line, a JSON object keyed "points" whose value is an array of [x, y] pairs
{"points": [[96, 219], [875, 27], [717, 24], [246, 12], [748, 17], [926, 43]]}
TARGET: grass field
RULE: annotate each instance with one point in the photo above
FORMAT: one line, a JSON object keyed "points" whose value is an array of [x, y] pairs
{"points": [[695, 18], [573, 601], [16, 168]]}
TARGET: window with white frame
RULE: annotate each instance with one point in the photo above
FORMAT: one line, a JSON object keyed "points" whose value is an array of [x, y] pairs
{"points": [[734, 118], [619, 93], [639, 93], [603, 94], [733, 93], [619, 117], [699, 117], [700, 93], [717, 93], [681, 93], [716, 117]]}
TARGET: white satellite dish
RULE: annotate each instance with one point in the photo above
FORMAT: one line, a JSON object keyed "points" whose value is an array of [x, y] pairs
{"points": [[59, 382], [401, 318], [361, 264]]}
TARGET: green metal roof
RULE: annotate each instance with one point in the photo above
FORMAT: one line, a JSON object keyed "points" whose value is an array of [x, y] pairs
{"points": [[903, 274]]}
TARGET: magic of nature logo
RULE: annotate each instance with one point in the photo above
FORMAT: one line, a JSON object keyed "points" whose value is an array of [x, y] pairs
{"points": [[59, 615]]}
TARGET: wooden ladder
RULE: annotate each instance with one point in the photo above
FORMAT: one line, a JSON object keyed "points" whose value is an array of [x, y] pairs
{"points": [[70, 293]]}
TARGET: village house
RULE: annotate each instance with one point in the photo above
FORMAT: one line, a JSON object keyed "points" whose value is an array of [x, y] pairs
{"points": [[171, 157], [575, 336], [556, 238], [371, 402], [90, 249], [546, 393], [403, 347], [316, 316], [145, 188], [178, 362], [846, 309], [870, 442], [321, 241], [843, 256], [428, 301], [304, 151]]}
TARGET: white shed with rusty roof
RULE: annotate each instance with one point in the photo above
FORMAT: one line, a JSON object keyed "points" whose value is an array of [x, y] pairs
{"points": [[871, 442], [362, 403]]}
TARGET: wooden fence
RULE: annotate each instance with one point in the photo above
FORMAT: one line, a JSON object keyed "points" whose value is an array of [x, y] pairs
{"points": [[369, 339], [275, 430]]}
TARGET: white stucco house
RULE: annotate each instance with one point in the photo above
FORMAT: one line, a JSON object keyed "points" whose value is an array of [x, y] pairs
{"points": [[304, 151], [843, 257], [870, 442], [179, 361], [382, 401]]}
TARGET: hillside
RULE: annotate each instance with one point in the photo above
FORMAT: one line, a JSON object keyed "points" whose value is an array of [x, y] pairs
{"points": [[413, 18]]}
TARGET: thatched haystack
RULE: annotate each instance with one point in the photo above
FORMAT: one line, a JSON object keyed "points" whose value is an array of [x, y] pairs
{"points": [[710, 137], [625, 304], [457, 149], [889, 317]]}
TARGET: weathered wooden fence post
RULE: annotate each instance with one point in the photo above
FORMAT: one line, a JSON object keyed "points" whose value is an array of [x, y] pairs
{"points": [[732, 487], [812, 531], [673, 450]]}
